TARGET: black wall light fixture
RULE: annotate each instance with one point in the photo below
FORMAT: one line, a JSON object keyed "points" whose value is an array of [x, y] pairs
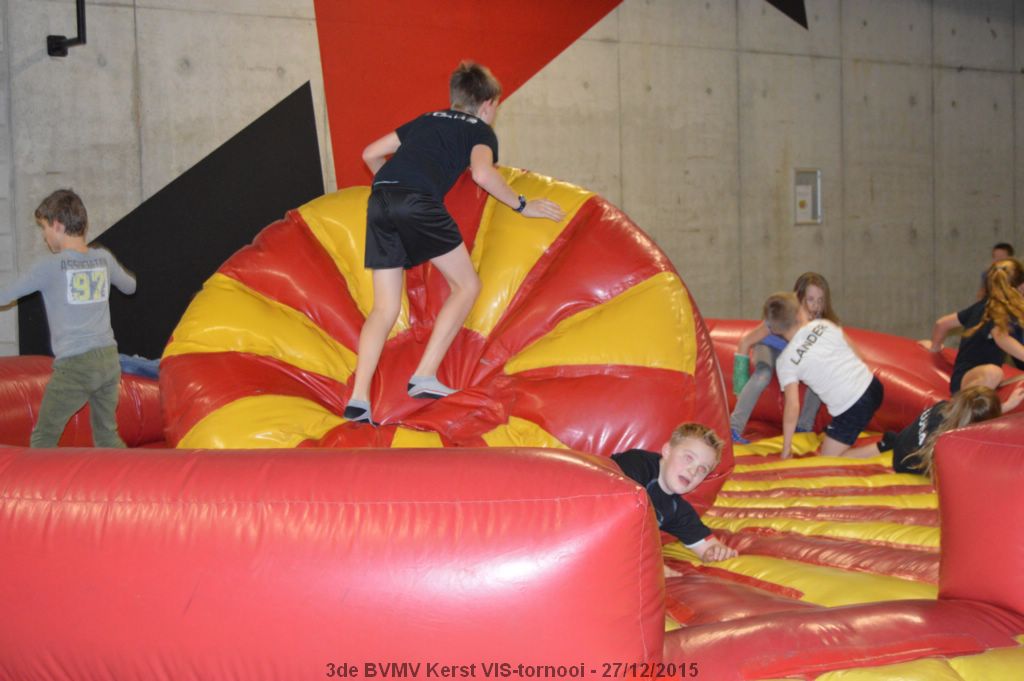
{"points": [[57, 45]]}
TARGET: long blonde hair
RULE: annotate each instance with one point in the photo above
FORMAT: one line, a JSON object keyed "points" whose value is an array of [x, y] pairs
{"points": [[971, 405], [1004, 299]]}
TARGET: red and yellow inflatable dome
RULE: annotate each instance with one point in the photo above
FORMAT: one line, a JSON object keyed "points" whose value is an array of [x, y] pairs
{"points": [[584, 337]]}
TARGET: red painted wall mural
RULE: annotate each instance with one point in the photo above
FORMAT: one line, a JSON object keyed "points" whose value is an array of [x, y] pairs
{"points": [[385, 61]]}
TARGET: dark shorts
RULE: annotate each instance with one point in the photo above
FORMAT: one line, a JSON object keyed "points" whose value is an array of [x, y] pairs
{"points": [[847, 426], [902, 444], [405, 228]]}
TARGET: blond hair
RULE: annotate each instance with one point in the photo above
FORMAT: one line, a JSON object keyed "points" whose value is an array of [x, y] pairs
{"points": [[971, 405], [697, 431], [1004, 298], [780, 311]]}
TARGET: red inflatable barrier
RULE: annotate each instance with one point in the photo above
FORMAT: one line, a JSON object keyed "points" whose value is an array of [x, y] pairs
{"points": [[981, 474], [23, 381], [807, 642], [753, 618], [275, 565]]}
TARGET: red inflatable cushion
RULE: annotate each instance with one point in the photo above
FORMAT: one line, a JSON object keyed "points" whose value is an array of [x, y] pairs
{"points": [[980, 473], [23, 382], [132, 564]]}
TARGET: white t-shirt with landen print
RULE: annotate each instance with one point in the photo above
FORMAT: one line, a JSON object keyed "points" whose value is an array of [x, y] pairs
{"points": [[820, 357]]}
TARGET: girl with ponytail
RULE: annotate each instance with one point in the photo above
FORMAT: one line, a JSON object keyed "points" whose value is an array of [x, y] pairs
{"points": [[992, 329]]}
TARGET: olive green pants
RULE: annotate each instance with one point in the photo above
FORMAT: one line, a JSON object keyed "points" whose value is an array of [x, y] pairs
{"points": [[93, 377]]}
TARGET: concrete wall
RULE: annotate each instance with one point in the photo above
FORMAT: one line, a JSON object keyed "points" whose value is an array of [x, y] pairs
{"points": [[689, 114], [692, 115], [8, 238], [160, 84]]}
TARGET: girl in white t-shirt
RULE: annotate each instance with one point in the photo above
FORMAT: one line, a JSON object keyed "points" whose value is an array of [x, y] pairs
{"points": [[818, 354], [813, 293]]}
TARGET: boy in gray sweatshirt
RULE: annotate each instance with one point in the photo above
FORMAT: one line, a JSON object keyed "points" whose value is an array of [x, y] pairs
{"points": [[75, 282]]}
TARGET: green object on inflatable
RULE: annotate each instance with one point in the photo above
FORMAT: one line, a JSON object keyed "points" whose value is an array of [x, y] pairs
{"points": [[740, 373]]}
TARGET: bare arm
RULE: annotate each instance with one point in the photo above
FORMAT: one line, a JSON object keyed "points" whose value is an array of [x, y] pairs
{"points": [[1014, 399], [1008, 344], [790, 414], [752, 338], [943, 325], [481, 165], [377, 152]]}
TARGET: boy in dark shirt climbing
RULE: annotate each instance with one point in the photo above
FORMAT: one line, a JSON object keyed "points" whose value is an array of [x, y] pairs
{"points": [[407, 223]]}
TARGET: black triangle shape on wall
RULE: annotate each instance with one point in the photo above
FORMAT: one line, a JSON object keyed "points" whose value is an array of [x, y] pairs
{"points": [[794, 9], [179, 237]]}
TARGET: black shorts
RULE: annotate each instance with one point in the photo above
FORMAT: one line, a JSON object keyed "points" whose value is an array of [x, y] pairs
{"points": [[902, 444], [847, 426], [405, 228]]}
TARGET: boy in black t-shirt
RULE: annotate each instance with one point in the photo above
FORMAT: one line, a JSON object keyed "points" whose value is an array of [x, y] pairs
{"points": [[691, 453], [407, 223]]}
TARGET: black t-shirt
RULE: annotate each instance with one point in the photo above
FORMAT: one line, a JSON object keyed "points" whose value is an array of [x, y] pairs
{"points": [[435, 149], [979, 348], [675, 514], [911, 438]]}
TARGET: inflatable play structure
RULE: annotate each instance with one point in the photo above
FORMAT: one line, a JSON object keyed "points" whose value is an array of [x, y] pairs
{"points": [[251, 532], [577, 324]]}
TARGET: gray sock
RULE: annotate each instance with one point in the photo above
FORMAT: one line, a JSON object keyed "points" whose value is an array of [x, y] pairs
{"points": [[358, 410], [428, 387]]}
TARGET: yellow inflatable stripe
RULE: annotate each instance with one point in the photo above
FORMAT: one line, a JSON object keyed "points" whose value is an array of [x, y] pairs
{"points": [[917, 536], [803, 443], [648, 325], [927, 669], [228, 316], [820, 584], [409, 438], [678, 551], [261, 422], [521, 433], [887, 500], [508, 245], [999, 664], [821, 482], [338, 221], [811, 462]]}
